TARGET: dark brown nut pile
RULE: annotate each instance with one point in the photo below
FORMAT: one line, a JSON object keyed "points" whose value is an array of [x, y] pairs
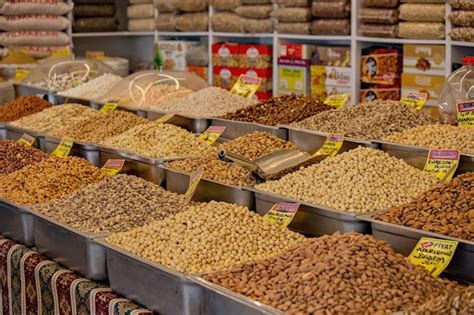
{"points": [[446, 209], [280, 110], [256, 145], [14, 156], [216, 170], [97, 129], [48, 180], [207, 237], [335, 274], [373, 120], [116, 204], [22, 106]]}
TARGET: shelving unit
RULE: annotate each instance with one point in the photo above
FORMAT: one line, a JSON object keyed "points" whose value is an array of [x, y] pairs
{"points": [[139, 45]]}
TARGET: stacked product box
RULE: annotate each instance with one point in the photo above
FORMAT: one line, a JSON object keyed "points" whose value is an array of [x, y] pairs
{"points": [[230, 60], [330, 72], [381, 69], [423, 71], [294, 61]]}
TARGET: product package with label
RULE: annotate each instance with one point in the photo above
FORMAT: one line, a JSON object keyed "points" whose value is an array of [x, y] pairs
{"points": [[173, 54], [424, 59], [380, 65], [418, 83], [293, 76]]}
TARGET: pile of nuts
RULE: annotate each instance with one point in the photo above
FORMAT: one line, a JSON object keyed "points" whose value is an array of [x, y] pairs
{"points": [[437, 137], [56, 118], [159, 141], [373, 120], [155, 97], [284, 109], [357, 181], [208, 102], [446, 209], [48, 180], [207, 237], [22, 106], [216, 170], [94, 89], [97, 129], [257, 144], [335, 274], [116, 204], [14, 156]]}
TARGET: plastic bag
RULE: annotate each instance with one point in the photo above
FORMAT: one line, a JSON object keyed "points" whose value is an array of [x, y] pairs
{"points": [[140, 11], [34, 7], [465, 34], [379, 30], [96, 24], [294, 28], [293, 3], [94, 10], [193, 22], [227, 22], [462, 18], [380, 3], [292, 14], [331, 27], [421, 30], [225, 5], [165, 6], [38, 52], [192, 5], [256, 1], [422, 12], [331, 9], [461, 4], [254, 11], [141, 25], [166, 22], [34, 22], [34, 38], [378, 15], [258, 26]]}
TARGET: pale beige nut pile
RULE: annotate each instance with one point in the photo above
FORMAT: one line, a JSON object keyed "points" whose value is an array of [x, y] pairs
{"points": [[256, 145], [358, 181], [56, 118], [207, 237], [97, 129], [116, 204], [335, 274], [48, 180], [373, 120], [154, 97], [159, 141], [216, 170], [208, 102], [437, 137]]}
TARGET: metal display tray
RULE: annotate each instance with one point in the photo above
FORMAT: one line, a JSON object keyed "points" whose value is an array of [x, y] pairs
{"points": [[312, 219], [15, 133], [89, 152], [16, 223], [70, 247], [310, 140], [403, 239], [208, 190], [190, 123], [72, 100], [152, 285], [235, 129], [23, 89], [219, 300], [416, 156]]}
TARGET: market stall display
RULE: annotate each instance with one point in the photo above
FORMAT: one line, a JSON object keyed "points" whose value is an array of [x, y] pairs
{"points": [[14, 156], [21, 107]]}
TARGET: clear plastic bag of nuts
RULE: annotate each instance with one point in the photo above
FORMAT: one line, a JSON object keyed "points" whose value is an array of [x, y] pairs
{"points": [[339, 9], [421, 30], [293, 3], [378, 15], [224, 5], [331, 27], [380, 3], [422, 12], [378, 30], [462, 18], [292, 14], [294, 28], [226, 22]]}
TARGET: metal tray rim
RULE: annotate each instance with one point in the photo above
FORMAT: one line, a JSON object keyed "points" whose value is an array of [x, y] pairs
{"points": [[238, 122], [31, 132], [325, 134], [137, 157], [178, 114], [19, 207], [83, 145]]}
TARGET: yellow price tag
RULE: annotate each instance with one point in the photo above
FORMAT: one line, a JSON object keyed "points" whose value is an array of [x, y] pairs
{"points": [[465, 114], [64, 147], [246, 86], [164, 118], [415, 100], [337, 100], [21, 74], [193, 183], [95, 54], [27, 140], [331, 146], [282, 213], [433, 254], [62, 52], [442, 164], [113, 167], [108, 107], [212, 134]]}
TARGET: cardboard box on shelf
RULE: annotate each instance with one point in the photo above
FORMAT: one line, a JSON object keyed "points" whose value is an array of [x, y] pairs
{"points": [[255, 56], [424, 59], [419, 83], [380, 92], [225, 54], [171, 54], [225, 77], [326, 75], [296, 51], [334, 56], [293, 76], [200, 71], [380, 65], [321, 92], [266, 76]]}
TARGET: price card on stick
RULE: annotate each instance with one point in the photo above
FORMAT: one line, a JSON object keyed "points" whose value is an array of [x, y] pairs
{"points": [[331, 146], [27, 140], [337, 100], [193, 183], [164, 118], [21, 74], [113, 166], [465, 112], [433, 254], [109, 106], [212, 134], [282, 213], [415, 100], [64, 147], [246, 86], [442, 164]]}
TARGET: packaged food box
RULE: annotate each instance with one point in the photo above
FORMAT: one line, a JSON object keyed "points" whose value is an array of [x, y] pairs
{"points": [[255, 56], [266, 76], [370, 93], [334, 76], [200, 71], [334, 56], [171, 54], [225, 77], [293, 76], [296, 51], [225, 55], [424, 59], [321, 92], [380, 65], [419, 83]]}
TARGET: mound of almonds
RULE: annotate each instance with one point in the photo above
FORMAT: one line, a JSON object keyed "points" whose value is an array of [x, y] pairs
{"points": [[446, 209], [373, 120], [207, 237], [437, 137], [56, 118], [116, 204], [14, 156], [97, 129], [358, 181], [256, 145], [48, 180], [22, 106], [284, 109], [216, 170], [335, 274], [159, 141]]}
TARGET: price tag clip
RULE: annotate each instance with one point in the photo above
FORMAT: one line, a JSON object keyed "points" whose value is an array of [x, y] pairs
{"points": [[465, 112], [193, 183], [433, 254], [109, 106], [415, 100], [27, 140], [337, 100], [113, 166], [442, 164], [282, 213], [246, 86], [64, 147], [212, 134], [331, 146]]}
